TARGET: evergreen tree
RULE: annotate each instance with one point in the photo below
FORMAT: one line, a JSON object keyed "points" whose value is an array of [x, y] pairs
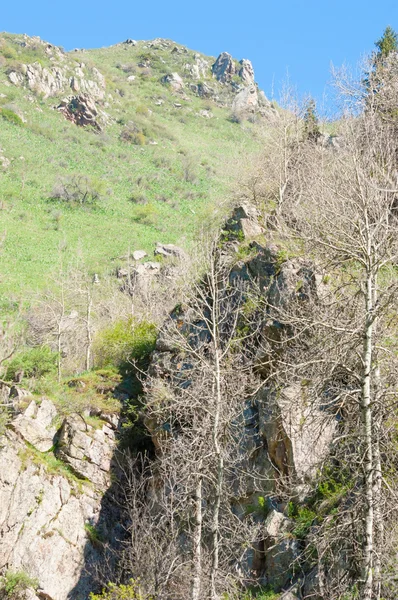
{"points": [[387, 43], [311, 123]]}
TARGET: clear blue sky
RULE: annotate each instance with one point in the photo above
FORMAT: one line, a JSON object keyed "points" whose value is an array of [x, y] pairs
{"points": [[298, 37]]}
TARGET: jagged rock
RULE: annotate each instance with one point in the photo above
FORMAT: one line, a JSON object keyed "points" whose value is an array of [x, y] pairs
{"points": [[58, 79], [170, 250], [199, 69], [36, 425], [139, 254], [174, 81], [82, 111], [87, 450], [244, 222], [224, 68], [246, 100], [130, 42], [246, 72], [16, 78]]}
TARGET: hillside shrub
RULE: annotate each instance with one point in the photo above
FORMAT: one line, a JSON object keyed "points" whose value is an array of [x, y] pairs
{"points": [[78, 190], [124, 342], [9, 115], [33, 362], [14, 584]]}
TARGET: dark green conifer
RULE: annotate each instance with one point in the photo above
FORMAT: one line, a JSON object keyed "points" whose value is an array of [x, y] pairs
{"points": [[311, 122]]}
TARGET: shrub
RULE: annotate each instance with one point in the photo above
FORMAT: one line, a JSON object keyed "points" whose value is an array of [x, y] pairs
{"points": [[14, 584], [78, 190], [10, 116], [33, 362], [146, 215], [124, 342], [130, 591]]}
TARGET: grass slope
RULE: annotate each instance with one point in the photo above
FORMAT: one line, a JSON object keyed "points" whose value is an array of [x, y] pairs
{"points": [[151, 192]]}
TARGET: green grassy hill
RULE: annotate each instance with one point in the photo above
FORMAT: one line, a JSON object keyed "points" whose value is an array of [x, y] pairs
{"points": [[159, 166]]}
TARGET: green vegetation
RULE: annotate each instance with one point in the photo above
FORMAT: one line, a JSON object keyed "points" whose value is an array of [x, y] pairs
{"points": [[125, 342], [180, 162], [15, 583], [52, 465], [11, 116], [387, 43], [94, 535], [130, 591], [32, 362]]}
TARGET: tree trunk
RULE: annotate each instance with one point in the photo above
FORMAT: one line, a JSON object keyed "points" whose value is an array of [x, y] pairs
{"points": [[366, 413], [197, 543]]}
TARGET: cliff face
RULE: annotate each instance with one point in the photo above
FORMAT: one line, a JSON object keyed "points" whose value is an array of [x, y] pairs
{"points": [[52, 485]]}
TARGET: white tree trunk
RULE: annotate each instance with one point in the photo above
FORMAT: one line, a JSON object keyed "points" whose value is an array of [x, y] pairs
{"points": [[366, 413], [197, 543]]}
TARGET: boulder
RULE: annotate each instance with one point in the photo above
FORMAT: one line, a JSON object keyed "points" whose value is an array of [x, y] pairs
{"points": [[139, 254], [174, 81], [82, 111], [246, 101], [206, 114], [168, 250], [224, 68], [246, 72], [244, 222], [130, 42]]}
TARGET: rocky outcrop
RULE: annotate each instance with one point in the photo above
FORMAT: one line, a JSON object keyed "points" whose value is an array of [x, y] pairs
{"points": [[86, 450], [49, 509], [37, 425], [56, 80], [83, 111], [199, 69], [224, 68], [174, 81], [246, 101], [246, 72], [244, 222]]}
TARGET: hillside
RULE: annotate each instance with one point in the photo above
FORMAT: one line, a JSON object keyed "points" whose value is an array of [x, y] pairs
{"points": [[156, 153]]}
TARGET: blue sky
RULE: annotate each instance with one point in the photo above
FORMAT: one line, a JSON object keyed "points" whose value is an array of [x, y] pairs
{"points": [[300, 38]]}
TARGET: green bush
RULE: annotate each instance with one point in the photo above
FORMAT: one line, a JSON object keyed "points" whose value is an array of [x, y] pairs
{"points": [[11, 116], [130, 591], [34, 362], [124, 342], [14, 584]]}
